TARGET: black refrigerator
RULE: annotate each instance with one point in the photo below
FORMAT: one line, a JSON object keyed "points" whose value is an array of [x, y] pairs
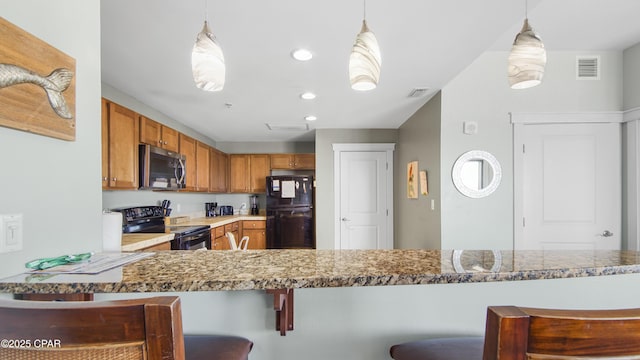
{"points": [[290, 223]]}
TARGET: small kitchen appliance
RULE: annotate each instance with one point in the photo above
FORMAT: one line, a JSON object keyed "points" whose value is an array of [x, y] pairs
{"points": [[150, 219], [210, 209], [161, 169], [254, 205], [226, 210]]}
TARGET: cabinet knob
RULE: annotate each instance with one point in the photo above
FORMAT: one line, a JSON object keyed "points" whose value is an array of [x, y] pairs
{"points": [[114, 179], [104, 178], [160, 142]]}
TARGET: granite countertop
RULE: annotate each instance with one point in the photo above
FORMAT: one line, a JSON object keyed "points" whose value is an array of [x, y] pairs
{"points": [[139, 241], [177, 271]]}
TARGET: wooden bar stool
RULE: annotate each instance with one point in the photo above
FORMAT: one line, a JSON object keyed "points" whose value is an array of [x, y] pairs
{"points": [[137, 329], [518, 333]]}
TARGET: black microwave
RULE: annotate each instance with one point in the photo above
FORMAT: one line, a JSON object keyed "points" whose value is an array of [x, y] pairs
{"points": [[161, 169]]}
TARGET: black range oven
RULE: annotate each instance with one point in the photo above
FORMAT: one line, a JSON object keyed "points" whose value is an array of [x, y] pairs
{"points": [[150, 219]]}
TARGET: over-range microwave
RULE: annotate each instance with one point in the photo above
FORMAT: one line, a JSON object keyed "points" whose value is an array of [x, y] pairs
{"points": [[161, 169]]}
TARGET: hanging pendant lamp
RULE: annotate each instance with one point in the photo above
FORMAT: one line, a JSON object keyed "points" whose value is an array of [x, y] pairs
{"points": [[527, 59], [207, 61], [365, 60]]}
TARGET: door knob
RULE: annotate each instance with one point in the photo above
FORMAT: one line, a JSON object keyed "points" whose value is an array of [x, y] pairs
{"points": [[606, 233], [345, 219]]}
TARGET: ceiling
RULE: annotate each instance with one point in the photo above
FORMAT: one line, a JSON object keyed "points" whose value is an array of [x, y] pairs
{"points": [[146, 53]]}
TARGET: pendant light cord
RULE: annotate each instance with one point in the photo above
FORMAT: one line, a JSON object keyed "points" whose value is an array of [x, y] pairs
{"points": [[206, 10], [364, 13], [526, 9]]}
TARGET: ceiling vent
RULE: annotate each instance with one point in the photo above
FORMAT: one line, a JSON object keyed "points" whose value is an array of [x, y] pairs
{"points": [[588, 68], [287, 127], [418, 92]]}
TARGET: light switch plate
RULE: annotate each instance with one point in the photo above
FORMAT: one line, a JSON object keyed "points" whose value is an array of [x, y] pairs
{"points": [[10, 233], [470, 127]]}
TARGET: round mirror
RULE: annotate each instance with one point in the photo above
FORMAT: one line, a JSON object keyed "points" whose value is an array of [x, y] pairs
{"points": [[476, 261], [476, 173]]}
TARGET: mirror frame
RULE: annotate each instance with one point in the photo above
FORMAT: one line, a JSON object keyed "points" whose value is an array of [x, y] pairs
{"points": [[476, 154]]}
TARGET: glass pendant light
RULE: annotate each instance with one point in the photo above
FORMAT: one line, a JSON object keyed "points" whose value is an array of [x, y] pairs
{"points": [[207, 61], [365, 60], [527, 58]]}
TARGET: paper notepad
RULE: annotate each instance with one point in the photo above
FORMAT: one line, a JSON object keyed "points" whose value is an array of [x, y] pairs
{"points": [[288, 189]]}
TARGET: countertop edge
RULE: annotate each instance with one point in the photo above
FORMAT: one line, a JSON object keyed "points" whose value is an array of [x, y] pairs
{"points": [[318, 282]]}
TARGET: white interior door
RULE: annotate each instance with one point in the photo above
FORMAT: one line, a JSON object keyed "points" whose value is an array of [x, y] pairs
{"points": [[363, 185], [570, 183]]}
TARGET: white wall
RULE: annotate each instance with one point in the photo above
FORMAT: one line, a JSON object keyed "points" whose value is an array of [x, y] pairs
{"points": [[417, 225], [325, 138], [40, 178], [632, 77], [481, 93], [361, 323], [631, 149]]}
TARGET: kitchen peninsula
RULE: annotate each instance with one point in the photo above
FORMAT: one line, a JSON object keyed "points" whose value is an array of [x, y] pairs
{"points": [[169, 271], [451, 278]]}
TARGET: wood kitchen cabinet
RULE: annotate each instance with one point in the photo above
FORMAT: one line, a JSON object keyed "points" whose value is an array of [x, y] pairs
{"points": [[202, 165], [233, 228], [120, 129], [293, 161], [256, 231], [218, 171], [188, 149], [248, 172], [238, 173], [219, 240], [156, 134]]}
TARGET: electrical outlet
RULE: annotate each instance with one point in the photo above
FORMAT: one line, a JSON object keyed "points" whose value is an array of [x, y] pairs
{"points": [[10, 232]]}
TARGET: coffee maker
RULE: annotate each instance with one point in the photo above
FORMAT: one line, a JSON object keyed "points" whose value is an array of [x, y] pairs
{"points": [[254, 205], [210, 209]]}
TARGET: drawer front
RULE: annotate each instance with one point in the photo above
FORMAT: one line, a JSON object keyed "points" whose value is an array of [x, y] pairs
{"points": [[218, 231], [253, 224], [234, 226]]}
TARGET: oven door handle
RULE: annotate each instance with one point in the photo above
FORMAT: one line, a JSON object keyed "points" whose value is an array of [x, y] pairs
{"points": [[199, 236]]}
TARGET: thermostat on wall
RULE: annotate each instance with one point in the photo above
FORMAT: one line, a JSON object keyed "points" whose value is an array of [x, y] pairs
{"points": [[470, 127]]}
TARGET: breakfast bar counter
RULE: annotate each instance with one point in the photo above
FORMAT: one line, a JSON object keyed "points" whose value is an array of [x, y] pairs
{"points": [[173, 271], [279, 272]]}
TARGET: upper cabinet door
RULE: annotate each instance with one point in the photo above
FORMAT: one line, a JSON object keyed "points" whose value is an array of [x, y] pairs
{"points": [[170, 139], [123, 147], [260, 168], [105, 144], [218, 171], [156, 134], [202, 166], [150, 132], [305, 161], [293, 161], [281, 161], [239, 173]]}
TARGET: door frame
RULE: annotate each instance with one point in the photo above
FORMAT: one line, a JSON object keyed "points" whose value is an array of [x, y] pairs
{"points": [[338, 149], [518, 121]]}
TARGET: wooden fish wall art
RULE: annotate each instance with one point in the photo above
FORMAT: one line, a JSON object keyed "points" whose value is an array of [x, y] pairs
{"points": [[37, 85]]}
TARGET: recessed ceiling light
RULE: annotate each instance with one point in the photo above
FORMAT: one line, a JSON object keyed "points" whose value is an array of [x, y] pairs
{"points": [[302, 54], [311, 118], [308, 95]]}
